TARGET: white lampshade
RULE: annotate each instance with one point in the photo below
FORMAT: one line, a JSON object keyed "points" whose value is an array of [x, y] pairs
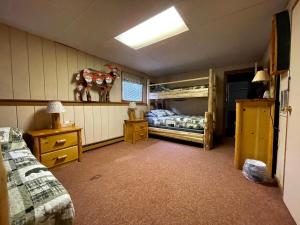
{"points": [[261, 76], [132, 105], [55, 107]]}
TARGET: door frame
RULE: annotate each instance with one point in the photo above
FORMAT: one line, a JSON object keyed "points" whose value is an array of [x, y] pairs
{"points": [[287, 113], [238, 72]]}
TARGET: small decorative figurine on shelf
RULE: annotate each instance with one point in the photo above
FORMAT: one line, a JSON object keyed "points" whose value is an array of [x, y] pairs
{"points": [[86, 78]]}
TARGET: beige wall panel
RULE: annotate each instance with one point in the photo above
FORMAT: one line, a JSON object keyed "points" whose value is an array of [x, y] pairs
{"points": [[88, 124], [72, 69], [105, 122], [50, 69], [36, 71], [119, 113], [113, 120], [19, 56], [97, 64], [139, 110], [6, 90], [62, 72], [25, 116], [81, 60], [68, 115], [90, 61], [8, 116], [125, 114], [115, 92], [90, 64], [79, 120], [42, 119], [97, 122]]}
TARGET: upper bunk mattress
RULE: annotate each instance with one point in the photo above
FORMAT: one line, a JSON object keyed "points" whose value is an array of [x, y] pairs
{"points": [[192, 92]]}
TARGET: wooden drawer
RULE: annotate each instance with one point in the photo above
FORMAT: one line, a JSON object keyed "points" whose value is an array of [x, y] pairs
{"points": [[58, 157], [140, 135], [140, 126], [54, 142]]}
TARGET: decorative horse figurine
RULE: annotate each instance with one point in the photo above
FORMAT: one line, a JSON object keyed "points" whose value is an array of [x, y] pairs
{"points": [[104, 81]]}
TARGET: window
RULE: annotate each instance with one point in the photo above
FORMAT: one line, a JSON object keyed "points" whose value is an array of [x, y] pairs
{"points": [[132, 91]]}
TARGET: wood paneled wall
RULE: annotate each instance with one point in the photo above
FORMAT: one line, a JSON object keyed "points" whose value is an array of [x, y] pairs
{"points": [[39, 69], [34, 68], [99, 122]]}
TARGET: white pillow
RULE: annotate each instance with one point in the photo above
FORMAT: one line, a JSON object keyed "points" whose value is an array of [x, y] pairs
{"points": [[4, 134], [169, 113]]}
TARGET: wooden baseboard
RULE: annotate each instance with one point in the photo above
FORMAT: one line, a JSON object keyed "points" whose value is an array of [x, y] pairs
{"points": [[102, 143]]}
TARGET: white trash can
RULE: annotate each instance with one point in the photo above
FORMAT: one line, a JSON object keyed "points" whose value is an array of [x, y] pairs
{"points": [[255, 170]]}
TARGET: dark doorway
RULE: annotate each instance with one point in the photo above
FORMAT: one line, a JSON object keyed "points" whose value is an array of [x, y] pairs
{"points": [[238, 85]]}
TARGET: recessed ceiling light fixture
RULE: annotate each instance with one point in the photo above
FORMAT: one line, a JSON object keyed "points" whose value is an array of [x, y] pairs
{"points": [[159, 27]]}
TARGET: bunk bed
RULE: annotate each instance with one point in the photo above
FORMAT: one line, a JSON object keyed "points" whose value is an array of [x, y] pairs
{"points": [[195, 129]]}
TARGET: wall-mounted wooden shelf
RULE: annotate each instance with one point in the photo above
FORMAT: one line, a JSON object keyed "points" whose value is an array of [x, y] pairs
{"points": [[24, 102]]}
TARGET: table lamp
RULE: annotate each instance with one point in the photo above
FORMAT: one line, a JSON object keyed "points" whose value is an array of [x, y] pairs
{"points": [[131, 111], [263, 77], [55, 108]]}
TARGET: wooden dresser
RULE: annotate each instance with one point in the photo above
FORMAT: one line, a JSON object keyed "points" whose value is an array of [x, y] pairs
{"points": [[254, 131], [53, 147], [135, 130]]}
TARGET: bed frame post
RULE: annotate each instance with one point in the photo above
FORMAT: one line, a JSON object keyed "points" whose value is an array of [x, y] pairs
{"points": [[210, 116], [210, 91], [212, 96], [148, 94], [208, 131]]}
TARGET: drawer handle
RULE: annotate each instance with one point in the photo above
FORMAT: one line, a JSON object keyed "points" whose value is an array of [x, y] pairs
{"points": [[61, 141], [142, 135], [61, 157]]}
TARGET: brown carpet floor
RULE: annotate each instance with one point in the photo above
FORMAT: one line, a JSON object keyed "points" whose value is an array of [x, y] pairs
{"points": [[161, 182]]}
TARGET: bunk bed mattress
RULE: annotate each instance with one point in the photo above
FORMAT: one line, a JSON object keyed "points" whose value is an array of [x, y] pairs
{"points": [[178, 122], [35, 195], [193, 92]]}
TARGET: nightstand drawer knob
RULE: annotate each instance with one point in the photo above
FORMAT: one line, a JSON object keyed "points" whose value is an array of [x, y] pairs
{"points": [[61, 141], [61, 157]]}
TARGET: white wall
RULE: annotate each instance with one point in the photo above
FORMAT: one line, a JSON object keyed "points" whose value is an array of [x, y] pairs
{"points": [[291, 192]]}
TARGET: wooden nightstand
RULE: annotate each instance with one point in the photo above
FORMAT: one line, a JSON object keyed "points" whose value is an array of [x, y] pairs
{"points": [[135, 130], [53, 147]]}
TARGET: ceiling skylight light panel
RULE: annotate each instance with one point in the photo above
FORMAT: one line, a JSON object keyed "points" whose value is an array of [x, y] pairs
{"points": [[162, 26]]}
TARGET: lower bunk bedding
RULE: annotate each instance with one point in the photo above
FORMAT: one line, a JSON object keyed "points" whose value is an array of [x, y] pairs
{"points": [[35, 195], [167, 119]]}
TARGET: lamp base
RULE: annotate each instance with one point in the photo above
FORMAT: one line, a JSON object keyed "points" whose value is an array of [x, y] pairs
{"points": [[131, 114], [56, 120]]}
